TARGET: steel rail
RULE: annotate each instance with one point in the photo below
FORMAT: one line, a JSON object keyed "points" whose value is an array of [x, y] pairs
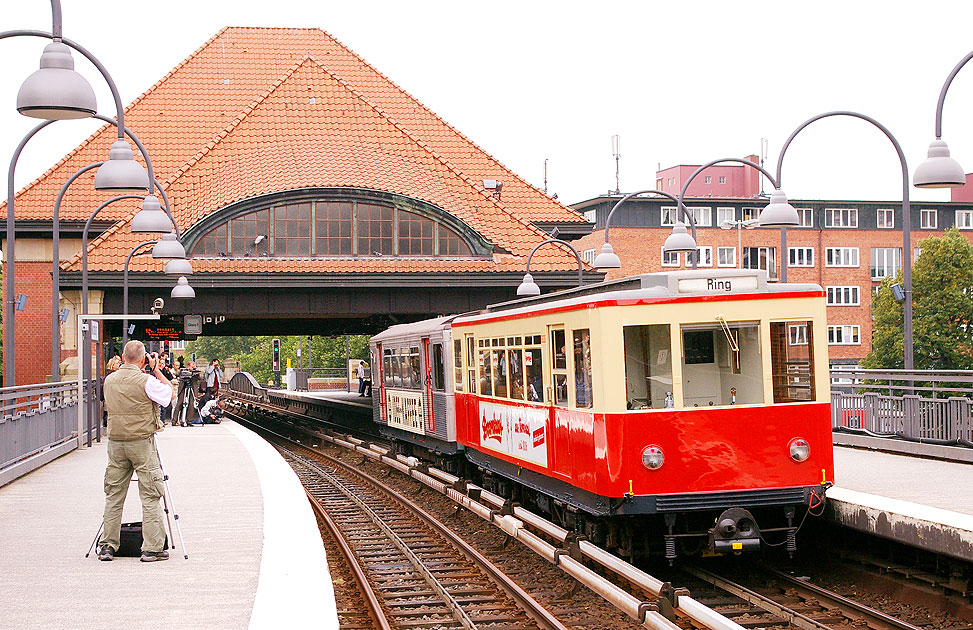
{"points": [[528, 604], [374, 606]]}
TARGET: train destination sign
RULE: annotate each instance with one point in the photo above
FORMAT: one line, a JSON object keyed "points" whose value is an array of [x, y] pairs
{"points": [[166, 329], [721, 284]]}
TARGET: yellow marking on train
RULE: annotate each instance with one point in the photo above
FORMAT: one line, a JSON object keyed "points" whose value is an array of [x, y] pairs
{"points": [[630, 491], [824, 477], [737, 546]]}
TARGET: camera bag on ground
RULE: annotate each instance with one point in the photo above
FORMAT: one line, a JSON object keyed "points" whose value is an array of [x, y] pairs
{"points": [[130, 541]]}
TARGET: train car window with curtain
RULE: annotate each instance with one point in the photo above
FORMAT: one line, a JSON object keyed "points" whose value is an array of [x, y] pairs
{"points": [[648, 367], [582, 369], [458, 365], [792, 361]]}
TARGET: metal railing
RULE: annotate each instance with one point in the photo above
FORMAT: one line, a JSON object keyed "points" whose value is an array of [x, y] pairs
{"points": [[34, 420], [930, 406], [337, 378]]}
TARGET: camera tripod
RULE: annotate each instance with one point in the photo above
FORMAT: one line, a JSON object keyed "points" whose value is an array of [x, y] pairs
{"points": [[188, 396], [166, 502]]}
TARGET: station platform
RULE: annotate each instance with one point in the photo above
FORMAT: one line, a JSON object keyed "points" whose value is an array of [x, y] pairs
{"points": [[922, 502], [255, 554]]}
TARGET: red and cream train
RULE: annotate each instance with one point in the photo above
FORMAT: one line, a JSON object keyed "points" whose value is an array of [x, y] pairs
{"points": [[686, 407]]}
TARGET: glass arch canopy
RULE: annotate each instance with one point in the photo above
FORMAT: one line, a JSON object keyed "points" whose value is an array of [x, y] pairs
{"points": [[332, 228]]}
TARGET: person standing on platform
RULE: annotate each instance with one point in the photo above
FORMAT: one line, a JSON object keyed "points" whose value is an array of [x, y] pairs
{"points": [[133, 397], [361, 378], [213, 374]]}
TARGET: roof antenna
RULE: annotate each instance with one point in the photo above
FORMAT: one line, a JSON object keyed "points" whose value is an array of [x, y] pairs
{"points": [[615, 149], [545, 175], [763, 158]]}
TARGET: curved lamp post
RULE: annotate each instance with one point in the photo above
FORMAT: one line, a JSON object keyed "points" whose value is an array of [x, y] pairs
{"points": [[54, 92], [939, 170], [678, 241], [528, 286], [906, 215]]}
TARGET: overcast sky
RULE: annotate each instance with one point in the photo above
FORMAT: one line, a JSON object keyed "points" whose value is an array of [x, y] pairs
{"points": [[680, 82]]}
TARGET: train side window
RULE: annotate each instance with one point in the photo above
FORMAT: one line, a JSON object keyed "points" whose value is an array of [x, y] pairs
{"points": [[648, 367], [388, 372], [516, 358], [500, 373], [721, 364], [438, 368], [458, 365], [471, 362], [792, 361], [534, 368], [486, 380], [582, 368], [414, 371], [559, 366]]}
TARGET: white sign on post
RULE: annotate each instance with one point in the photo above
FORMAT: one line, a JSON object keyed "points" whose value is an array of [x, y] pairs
{"points": [[192, 324], [95, 325]]}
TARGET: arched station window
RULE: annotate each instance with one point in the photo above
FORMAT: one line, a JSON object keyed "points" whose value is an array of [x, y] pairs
{"points": [[332, 228]]}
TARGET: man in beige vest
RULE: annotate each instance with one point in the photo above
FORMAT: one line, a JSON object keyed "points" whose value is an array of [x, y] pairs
{"points": [[132, 398]]}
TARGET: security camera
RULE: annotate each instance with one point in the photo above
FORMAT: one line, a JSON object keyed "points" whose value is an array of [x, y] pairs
{"points": [[157, 305]]}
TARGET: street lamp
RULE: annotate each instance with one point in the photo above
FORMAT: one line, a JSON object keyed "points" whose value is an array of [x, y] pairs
{"points": [[181, 290], [528, 287], [906, 216], [607, 259], [939, 170]]}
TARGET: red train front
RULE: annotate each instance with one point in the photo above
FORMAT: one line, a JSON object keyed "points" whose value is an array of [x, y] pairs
{"points": [[692, 396]]}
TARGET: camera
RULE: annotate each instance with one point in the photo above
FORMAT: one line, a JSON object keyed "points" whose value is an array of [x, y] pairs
{"points": [[186, 374], [147, 366]]}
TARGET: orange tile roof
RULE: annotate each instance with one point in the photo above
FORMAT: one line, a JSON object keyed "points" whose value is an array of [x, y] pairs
{"points": [[199, 126], [312, 129]]}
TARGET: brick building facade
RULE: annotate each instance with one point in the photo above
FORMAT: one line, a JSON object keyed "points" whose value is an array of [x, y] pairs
{"points": [[846, 247]]}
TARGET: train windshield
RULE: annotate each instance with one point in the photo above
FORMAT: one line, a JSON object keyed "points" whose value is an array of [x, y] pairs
{"points": [[721, 364], [648, 367]]}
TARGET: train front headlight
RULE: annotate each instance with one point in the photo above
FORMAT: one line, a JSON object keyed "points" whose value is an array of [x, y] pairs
{"points": [[653, 457], [799, 449]]}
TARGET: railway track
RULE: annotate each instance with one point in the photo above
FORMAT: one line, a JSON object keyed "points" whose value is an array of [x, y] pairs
{"points": [[777, 600], [421, 575]]}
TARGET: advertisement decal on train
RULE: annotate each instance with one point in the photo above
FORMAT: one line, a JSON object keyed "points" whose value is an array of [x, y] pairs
{"points": [[516, 431], [405, 411]]}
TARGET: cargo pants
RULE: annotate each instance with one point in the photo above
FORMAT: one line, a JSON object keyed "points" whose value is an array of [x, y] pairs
{"points": [[124, 458]]}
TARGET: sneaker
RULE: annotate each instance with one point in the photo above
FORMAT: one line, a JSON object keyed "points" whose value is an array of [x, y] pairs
{"points": [[154, 556], [106, 554]]}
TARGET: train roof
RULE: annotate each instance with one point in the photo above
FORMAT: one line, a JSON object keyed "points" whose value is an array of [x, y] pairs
{"points": [[669, 284], [414, 329]]}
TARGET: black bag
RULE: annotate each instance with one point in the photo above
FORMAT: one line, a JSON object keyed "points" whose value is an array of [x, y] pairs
{"points": [[130, 541]]}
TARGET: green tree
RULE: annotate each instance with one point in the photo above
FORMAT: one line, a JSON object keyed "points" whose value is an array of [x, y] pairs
{"points": [[942, 287]]}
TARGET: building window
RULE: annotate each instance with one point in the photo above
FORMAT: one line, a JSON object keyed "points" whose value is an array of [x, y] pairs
{"points": [[841, 257], [703, 256], [331, 229], [843, 296], [750, 214], [761, 258], [702, 215], [726, 256], [964, 219], [885, 262], [806, 217], [845, 335], [722, 179], [588, 256], [885, 218], [668, 217], [725, 215], [841, 217], [670, 259], [928, 218], [708, 179], [800, 256]]}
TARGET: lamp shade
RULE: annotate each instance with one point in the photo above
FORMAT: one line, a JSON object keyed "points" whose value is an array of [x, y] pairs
{"points": [[680, 240], [938, 170], [778, 213], [528, 286], [607, 259], [151, 219], [182, 290], [56, 91], [179, 267], [168, 247], [121, 172]]}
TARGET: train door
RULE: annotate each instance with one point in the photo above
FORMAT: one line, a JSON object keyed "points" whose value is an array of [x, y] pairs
{"points": [[472, 411], [559, 449], [427, 382], [380, 367]]}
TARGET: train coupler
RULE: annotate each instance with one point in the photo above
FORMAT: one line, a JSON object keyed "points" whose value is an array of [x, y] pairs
{"points": [[735, 531]]}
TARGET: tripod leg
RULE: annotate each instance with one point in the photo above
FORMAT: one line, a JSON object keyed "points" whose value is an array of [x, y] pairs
{"points": [[95, 541], [165, 483], [165, 508]]}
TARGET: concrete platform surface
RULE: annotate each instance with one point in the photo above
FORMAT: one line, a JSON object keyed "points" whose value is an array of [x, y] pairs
{"points": [[920, 502], [255, 555]]}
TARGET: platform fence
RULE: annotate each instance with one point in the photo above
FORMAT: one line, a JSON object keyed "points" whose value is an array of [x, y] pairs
{"points": [[931, 406], [37, 424]]}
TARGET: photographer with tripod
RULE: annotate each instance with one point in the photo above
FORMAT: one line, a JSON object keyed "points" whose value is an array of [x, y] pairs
{"points": [[132, 398]]}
